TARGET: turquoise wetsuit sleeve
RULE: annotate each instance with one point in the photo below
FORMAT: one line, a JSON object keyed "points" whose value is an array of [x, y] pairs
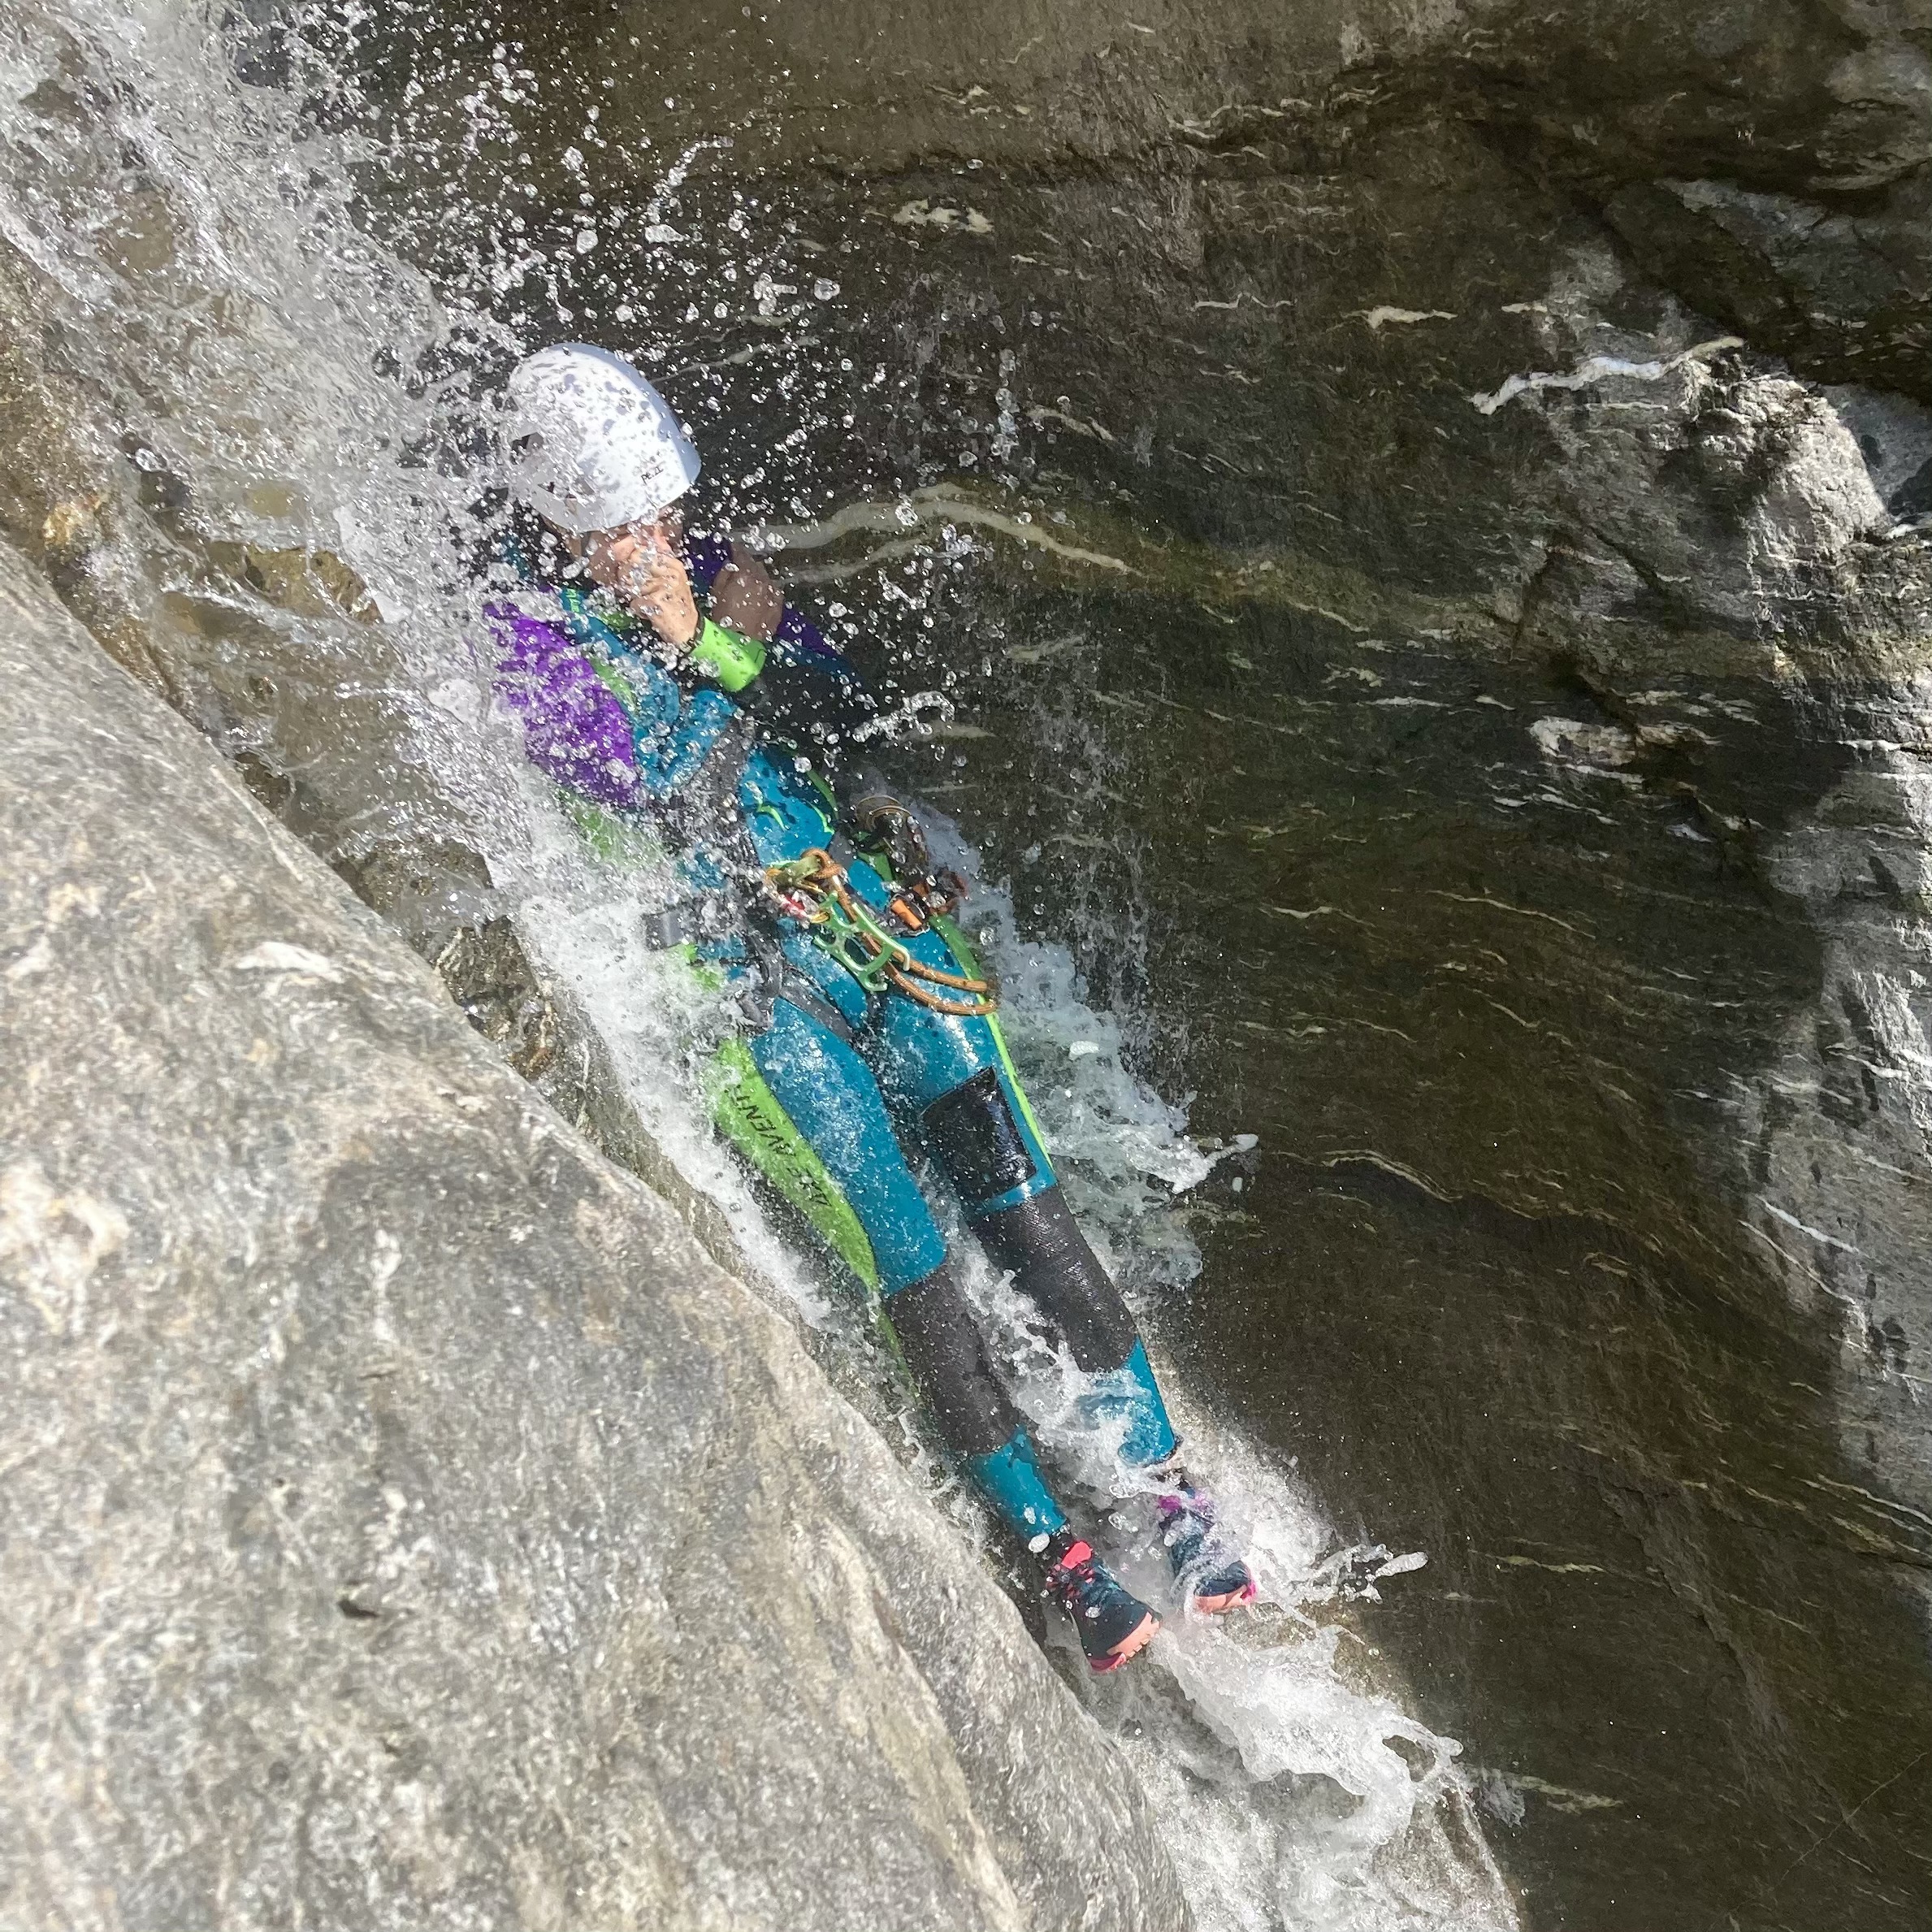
{"points": [[704, 719], [673, 730]]}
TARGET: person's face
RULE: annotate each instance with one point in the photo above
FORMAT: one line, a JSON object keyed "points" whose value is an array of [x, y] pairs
{"points": [[620, 559]]}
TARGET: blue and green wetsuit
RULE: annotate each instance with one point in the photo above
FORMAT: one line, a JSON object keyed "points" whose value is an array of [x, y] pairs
{"points": [[841, 1071]]}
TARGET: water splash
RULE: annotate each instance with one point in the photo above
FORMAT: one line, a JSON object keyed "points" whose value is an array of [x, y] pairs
{"points": [[254, 398], [1293, 1788]]}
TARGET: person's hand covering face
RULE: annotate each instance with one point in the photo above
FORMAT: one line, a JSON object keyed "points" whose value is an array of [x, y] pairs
{"points": [[640, 563]]}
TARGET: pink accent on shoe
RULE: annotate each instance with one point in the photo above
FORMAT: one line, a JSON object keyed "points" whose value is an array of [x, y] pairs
{"points": [[1213, 1606], [1131, 1645]]}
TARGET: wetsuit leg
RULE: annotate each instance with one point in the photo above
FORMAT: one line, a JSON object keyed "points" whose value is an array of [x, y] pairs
{"points": [[1040, 1243], [940, 1336], [834, 1101], [952, 1073]]}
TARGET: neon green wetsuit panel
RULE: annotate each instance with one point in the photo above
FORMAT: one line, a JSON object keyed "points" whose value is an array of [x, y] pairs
{"points": [[750, 1118], [620, 842], [728, 655]]}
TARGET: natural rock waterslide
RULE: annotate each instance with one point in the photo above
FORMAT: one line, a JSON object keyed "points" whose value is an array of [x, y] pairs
{"points": [[1426, 510], [221, 401], [1440, 497], [405, 1522]]}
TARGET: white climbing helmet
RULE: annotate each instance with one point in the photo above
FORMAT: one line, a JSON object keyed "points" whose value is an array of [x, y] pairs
{"points": [[588, 443]]}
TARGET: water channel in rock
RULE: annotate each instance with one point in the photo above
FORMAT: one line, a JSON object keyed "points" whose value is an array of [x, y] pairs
{"points": [[1466, 1043]]}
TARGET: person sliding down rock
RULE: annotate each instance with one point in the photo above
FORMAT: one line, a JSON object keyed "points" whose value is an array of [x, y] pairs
{"points": [[729, 729]]}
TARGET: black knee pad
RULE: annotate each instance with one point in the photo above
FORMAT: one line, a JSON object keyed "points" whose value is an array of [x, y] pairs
{"points": [[971, 1133], [940, 1338], [1040, 1244]]}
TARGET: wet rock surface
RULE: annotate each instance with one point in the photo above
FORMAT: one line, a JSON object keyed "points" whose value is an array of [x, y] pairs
{"points": [[404, 1519], [1427, 510]]}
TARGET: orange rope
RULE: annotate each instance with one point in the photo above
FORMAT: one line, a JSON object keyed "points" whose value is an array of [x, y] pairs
{"points": [[818, 877]]}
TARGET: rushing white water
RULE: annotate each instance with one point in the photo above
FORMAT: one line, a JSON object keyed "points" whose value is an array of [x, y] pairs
{"points": [[236, 374]]}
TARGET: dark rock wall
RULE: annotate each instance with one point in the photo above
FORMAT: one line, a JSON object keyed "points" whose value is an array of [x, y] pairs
{"points": [[1512, 1030], [1252, 267]]}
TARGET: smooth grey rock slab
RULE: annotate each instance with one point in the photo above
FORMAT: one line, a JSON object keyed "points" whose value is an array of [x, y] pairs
{"points": [[403, 1522]]}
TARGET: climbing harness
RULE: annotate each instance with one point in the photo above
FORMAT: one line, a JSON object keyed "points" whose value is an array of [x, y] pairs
{"points": [[814, 890]]}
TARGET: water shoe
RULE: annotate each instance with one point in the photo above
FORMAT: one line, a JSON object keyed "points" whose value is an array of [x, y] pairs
{"points": [[1113, 1623], [1207, 1568]]}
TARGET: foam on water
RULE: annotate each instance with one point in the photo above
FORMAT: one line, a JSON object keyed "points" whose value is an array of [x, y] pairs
{"points": [[1294, 1789], [226, 323]]}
